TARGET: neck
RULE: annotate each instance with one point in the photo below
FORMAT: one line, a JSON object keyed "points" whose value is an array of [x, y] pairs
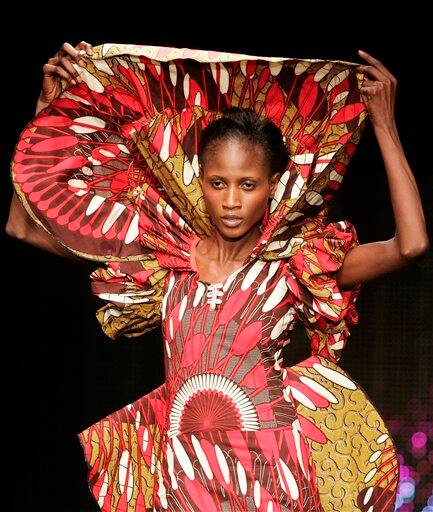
{"points": [[224, 250]]}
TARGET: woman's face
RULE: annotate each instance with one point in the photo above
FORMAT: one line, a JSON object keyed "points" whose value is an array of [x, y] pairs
{"points": [[236, 181]]}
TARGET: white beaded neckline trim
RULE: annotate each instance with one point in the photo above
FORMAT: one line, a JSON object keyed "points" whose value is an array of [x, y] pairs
{"points": [[213, 293]]}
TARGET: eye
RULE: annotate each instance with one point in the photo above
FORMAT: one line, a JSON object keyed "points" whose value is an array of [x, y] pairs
{"points": [[250, 186], [216, 184], [216, 181]]}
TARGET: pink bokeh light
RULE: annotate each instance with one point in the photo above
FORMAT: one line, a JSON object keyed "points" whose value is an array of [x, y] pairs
{"points": [[419, 439]]}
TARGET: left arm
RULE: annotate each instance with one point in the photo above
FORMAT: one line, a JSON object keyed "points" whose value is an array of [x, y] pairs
{"points": [[369, 261]]}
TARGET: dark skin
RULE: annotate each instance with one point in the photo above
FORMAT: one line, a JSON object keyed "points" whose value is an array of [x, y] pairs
{"points": [[236, 179], [224, 252], [370, 261]]}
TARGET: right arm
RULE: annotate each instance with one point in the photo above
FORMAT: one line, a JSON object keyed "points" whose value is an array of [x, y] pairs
{"points": [[19, 224], [22, 227]]}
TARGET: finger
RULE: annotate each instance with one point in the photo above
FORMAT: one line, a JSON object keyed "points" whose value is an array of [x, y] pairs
{"points": [[78, 57], [370, 83], [68, 49], [376, 73], [369, 58], [54, 60], [369, 90], [87, 47], [67, 65], [49, 70], [377, 63]]}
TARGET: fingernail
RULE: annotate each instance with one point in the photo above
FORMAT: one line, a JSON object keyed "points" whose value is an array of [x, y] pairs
{"points": [[360, 51], [81, 63], [89, 51], [74, 82]]}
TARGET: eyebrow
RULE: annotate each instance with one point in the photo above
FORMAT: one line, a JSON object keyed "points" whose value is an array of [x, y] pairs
{"points": [[243, 178]]}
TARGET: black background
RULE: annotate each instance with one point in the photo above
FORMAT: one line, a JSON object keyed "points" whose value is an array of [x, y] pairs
{"points": [[60, 372]]}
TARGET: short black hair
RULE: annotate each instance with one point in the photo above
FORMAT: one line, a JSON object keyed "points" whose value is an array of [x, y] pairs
{"points": [[245, 124]]}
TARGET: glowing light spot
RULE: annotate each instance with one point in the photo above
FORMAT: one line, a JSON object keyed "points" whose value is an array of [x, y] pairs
{"points": [[419, 440], [407, 489]]}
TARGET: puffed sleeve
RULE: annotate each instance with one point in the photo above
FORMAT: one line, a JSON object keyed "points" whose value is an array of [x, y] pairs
{"points": [[133, 293], [324, 308]]}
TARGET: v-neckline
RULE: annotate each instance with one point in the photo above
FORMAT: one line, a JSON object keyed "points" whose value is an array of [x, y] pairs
{"points": [[193, 263]]}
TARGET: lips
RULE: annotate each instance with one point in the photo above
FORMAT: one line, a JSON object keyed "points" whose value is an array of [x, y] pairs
{"points": [[231, 221]]}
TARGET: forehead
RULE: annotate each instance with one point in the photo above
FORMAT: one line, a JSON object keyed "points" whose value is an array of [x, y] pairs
{"points": [[235, 156]]}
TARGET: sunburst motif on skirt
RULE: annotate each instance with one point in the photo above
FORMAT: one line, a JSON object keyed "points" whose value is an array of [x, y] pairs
{"points": [[211, 402]]}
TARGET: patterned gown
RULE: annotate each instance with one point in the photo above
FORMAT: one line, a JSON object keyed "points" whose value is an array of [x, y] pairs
{"points": [[109, 169]]}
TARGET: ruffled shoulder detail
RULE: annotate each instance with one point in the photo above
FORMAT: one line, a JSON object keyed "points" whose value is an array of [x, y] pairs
{"points": [[133, 294], [134, 290], [325, 309]]}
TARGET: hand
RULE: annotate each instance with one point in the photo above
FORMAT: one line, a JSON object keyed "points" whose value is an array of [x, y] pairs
{"points": [[59, 67], [379, 94]]}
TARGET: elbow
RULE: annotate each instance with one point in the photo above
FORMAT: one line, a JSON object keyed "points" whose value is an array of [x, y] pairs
{"points": [[416, 252], [15, 231]]}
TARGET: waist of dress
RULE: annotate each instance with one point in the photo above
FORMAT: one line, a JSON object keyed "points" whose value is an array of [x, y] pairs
{"points": [[214, 411]]}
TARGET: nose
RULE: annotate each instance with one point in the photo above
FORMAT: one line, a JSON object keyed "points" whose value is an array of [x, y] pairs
{"points": [[231, 198]]}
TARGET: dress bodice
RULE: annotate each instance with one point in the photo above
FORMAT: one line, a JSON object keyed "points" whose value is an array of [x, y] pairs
{"points": [[238, 341]]}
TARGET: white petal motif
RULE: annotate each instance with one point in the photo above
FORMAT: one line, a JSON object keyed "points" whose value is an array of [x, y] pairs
{"points": [[103, 490], [173, 74], [276, 296], [170, 466], [382, 438], [301, 398], [114, 214], [132, 233], [164, 152], [242, 478], [201, 456], [222, 462], [334, 376], [318, 388], [293, 490], [182, 307], [186, 84], [123, 470], [257, 493], [92, 82], [252, 274], [145, 443], [188, 171], [370, 475], [275, 67], [337, 79], [323, 71], [93, 124], [368, 494], [183, 458], [103, 66]]}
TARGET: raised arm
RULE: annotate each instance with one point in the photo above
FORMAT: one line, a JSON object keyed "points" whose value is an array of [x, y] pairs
{"points": [[369, 261], [19, 224], [22, 227]]}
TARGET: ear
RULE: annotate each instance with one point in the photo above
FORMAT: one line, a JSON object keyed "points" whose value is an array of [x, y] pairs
{"points": [[274, 182]]}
